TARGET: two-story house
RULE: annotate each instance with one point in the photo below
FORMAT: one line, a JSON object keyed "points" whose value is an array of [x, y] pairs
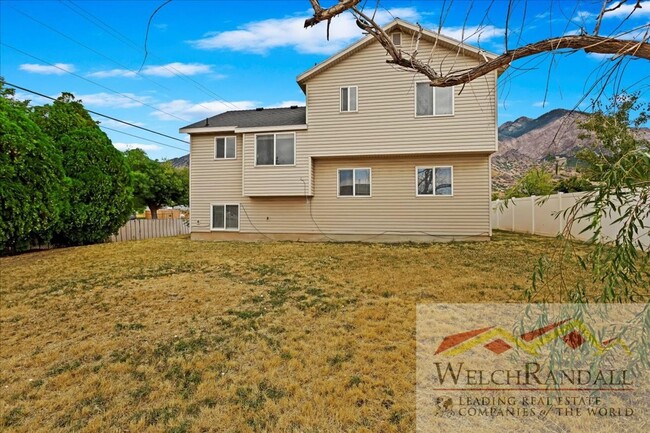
{"points": [[377, 154]]}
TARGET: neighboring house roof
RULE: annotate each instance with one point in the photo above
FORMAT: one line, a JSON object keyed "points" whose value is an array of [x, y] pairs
{"points": [[397, 24], [257, 118]]}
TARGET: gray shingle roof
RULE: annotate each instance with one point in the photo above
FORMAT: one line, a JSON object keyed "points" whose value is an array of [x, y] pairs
{"points": [[255, 118]]}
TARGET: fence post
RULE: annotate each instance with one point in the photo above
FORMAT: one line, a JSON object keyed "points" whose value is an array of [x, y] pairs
{"points": [[497, 211], [514, 208], [532, 214]]}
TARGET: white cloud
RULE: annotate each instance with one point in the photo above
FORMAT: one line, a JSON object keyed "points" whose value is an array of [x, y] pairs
{"points": [[261, 36], [33, 99], [541, 104], [289, 103], [125, 100], [129, 146], [628, 8], [188, 109], [56, 69], [585, 15], [113, 73], [171, 69], [600, 56], [168, 70], [473, 34]]}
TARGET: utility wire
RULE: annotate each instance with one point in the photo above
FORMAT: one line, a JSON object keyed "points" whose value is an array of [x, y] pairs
{"points": [[93, 82], [89, 48], [141, 138], [146, 36], [125, 40], [99, 114]]}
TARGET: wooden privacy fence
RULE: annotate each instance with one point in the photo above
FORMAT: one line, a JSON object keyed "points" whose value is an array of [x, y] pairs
{"points": [[146, 229], [542, 216]]}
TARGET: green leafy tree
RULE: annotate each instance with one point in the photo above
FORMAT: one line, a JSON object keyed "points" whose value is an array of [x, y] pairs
{"points": [[31, 177], [535, 181], [98, 192], [573, 184], [156, 184], [619, 162]]}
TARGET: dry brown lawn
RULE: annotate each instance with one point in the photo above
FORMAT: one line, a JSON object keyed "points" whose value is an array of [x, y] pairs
{"points": [[170, 335]]}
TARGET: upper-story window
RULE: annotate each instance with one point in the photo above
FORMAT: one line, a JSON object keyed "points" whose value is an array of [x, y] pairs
{"points": [[433, 101], [225, 148], [349, 98], [275, 149], [397, 38]]}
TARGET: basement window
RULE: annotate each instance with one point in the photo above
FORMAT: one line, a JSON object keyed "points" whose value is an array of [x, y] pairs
{"points": [[224, 217], [354, 182], [225, 148], [434, 181]]}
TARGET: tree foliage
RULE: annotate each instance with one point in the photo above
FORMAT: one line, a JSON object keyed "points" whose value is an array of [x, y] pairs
{"points": [[31, 177], [619, 161], [98, 192], [535, 181], [156, 184]]}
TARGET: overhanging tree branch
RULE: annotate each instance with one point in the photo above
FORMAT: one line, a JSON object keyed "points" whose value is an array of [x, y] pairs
{"points": [[589, 43]]}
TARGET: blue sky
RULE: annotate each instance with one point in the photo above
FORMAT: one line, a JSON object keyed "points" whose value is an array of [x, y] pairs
{"points": [[205, 57]]}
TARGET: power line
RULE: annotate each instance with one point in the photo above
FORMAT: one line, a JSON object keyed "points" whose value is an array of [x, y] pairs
{"points": [[88, 48], [92, 82], [141, 138], [99, 114], [124, 39]]}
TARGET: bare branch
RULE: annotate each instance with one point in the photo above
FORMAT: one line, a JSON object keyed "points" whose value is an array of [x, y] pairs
{"points": [[590, 44], [321, 14]]}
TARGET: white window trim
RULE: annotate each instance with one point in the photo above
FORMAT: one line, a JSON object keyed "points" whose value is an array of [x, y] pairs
{"points": [[295, 145], [357, 91], [433, 167], [354, 188], [212, 205], [224, 147], [433, 101]]}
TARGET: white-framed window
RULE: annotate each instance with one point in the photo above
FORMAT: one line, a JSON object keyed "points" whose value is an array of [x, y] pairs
{"points": [[275, 149], [224, 216], [354, 182], [225, 147], [434, 181], [349, 99], [433, 101], [397, 38]]}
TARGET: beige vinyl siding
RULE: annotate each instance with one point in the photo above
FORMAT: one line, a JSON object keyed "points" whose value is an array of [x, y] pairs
{"points": [[393, 207], [385, 122], [211, 180]]}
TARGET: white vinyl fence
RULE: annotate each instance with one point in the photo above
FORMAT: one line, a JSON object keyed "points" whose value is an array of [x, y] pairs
{"points": [[542, 216], [146, 229]]}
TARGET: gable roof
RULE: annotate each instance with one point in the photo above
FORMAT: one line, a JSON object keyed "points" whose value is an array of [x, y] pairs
{"points": [[401, 25], [257, 118]]}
